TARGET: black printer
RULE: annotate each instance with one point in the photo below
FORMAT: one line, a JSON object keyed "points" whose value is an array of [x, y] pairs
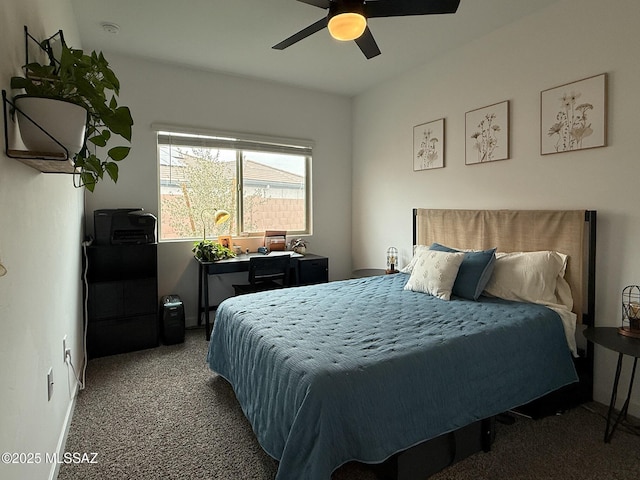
{"points": [[124, 226]]}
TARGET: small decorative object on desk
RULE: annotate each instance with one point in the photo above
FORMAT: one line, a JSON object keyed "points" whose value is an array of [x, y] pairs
{"points": [[210, 251], [225, 241], [275, 239], [630, 311], [299, 245], [392, 260]]}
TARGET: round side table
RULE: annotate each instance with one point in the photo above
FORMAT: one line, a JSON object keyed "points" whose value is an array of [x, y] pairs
{"points": [[609, 337]]}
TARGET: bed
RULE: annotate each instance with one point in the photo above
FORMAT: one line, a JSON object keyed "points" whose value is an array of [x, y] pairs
{"points": [[368, 369]]}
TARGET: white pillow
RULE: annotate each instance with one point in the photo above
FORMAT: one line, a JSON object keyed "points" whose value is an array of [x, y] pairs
{"points": [[417, 249], [434, 272], [527, 276]]}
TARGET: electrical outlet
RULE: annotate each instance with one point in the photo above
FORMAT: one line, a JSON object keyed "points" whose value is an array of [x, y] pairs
{"points": [[64, 349], [50, 384]]}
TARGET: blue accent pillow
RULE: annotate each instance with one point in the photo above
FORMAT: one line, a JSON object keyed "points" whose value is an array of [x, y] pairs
{"points": [[474, 273]]}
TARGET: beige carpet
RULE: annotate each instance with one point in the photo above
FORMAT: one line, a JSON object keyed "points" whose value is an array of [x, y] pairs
{"points": [[161, 414]]}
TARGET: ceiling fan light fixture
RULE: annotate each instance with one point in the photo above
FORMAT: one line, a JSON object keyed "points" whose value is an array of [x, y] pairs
{"points": [[347, 26]]}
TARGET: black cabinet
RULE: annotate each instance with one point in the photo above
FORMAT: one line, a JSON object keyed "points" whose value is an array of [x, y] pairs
{"points": [[312, 269], [123, 299]]}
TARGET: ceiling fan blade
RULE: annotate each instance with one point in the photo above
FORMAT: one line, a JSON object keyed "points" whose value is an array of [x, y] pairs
{"points": [[302, 34], [317, 3], [367, 44], [399, 8]]}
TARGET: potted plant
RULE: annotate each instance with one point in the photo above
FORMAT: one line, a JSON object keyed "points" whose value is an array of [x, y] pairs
{"points": [[86, 81], [210, 251], [299, 245]]}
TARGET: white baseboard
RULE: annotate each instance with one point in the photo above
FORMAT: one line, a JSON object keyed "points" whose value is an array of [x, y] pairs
{"points": [[62, 440], [604, 397], [192, 322]]}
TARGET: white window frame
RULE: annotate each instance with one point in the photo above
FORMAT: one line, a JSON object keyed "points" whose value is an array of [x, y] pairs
{"points": [[239, 142]]}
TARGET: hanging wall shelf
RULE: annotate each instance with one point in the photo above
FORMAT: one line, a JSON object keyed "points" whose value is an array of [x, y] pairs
{"points": [[56, 161], [68, 118], [46, 162]]}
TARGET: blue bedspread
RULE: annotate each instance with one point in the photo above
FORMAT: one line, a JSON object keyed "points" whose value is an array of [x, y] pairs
{"points": [[361, 369]]}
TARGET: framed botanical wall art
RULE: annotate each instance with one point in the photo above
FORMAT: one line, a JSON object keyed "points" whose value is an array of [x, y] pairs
{"points": [[487, 134], [574, 116], [428, 145]]}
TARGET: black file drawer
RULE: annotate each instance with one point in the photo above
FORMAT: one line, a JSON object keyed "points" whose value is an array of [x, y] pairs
{"points": [[120, 335], [123, 299], [312, 269]]}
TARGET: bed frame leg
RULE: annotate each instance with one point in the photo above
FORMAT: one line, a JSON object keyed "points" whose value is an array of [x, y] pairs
{"points": [[488, 433]]}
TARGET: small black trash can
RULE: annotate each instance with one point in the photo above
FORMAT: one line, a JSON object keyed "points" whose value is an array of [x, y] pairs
{"points": [[172, 319]]}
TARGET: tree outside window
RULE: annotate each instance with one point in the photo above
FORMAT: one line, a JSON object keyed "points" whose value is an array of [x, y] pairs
{"points": [[261, 190]]}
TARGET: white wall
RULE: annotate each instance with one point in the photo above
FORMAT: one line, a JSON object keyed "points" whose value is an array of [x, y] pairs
{"points": [[40, 296], [568, 41], [172, 95]]}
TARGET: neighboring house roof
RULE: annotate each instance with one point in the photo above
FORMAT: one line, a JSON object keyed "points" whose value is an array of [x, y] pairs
{"points": [[172, 170], [260, 171]]}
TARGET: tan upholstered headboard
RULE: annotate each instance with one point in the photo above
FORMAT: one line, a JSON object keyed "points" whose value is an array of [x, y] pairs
{"points": [[512, 231]]}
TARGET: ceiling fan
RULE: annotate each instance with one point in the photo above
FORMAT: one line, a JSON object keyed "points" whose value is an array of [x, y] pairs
{"points": [[347, 19]]}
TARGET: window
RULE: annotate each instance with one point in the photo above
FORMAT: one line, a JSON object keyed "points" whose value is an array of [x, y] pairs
{"points": [[263, 183]]}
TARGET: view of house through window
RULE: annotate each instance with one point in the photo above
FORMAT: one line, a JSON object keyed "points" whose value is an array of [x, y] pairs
{"points": [[263, 185]]}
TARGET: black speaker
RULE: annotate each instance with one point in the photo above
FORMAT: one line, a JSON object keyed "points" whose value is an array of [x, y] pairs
{"points": [[172, 319]]}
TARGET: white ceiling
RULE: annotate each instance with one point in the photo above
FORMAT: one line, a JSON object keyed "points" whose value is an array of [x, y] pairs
{"points": [[236, 36]]}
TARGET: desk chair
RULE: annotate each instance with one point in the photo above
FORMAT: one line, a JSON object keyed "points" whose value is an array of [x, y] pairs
{"points": [[266, 273]]}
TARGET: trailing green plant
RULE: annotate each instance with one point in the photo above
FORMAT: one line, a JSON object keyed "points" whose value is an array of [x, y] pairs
{"points": [[210, 251], [88, 81]]}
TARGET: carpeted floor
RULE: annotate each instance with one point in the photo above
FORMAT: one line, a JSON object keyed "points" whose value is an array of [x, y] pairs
{"points": [[161, 413]]}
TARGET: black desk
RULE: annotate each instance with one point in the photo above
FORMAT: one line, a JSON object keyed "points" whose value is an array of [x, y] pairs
{"points": [[609, 338], [307, 269]]}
